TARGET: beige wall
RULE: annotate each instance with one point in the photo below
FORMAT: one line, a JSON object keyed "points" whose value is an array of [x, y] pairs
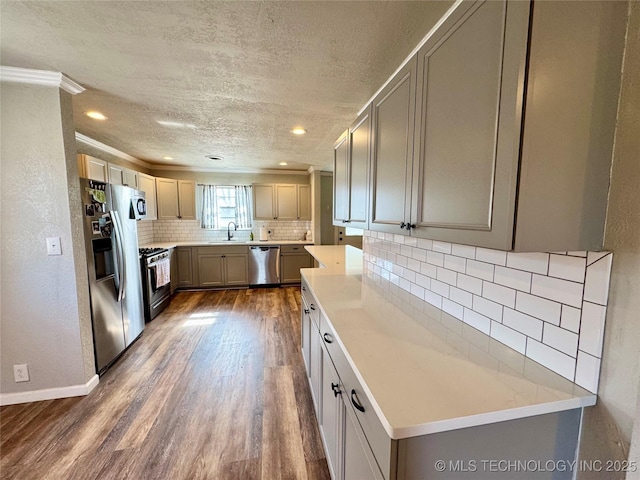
{"points": [[231, 178], [92, 151], [610, 426], [44, 320]]}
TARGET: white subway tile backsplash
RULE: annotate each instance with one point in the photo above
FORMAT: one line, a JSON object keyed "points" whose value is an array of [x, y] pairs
{"points": [[480, 269], [560, 339], [463, 251], [477, 321], [447, 276], [531, 262], [596, 287], [429, 270], [568, 268], [442, 247], [551, 358], [457, 264], [570, 318], [510, 277], [509, 337], [460, 296], [440, 288], [452, 308], [497, 257], [562, 291], [531, 327], [592, 328], [435, 258], [488, 308], [538, 307], [498, 293], [470, 284], [532, 302], [588, 371]]}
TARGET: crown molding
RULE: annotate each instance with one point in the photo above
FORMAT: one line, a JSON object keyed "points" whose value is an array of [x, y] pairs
{"points": [[113, 151], [182, 168], [40, 77]]}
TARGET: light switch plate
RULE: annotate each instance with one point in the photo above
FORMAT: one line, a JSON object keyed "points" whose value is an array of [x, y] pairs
{"points": [[53, 246]]}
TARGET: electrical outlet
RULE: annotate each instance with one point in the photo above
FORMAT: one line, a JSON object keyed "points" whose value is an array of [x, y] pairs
{"points": [[21, 373], [53, 246]]}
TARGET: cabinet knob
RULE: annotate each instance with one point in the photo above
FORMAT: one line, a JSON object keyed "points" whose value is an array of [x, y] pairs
{"points": [[306, 311], [312, 306], [355, 401], [403, 225], [327, 338], [304, 289], [336, 389]]}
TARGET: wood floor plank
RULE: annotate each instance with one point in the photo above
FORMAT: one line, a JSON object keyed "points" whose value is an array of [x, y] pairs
{"points": [[214, 389]]}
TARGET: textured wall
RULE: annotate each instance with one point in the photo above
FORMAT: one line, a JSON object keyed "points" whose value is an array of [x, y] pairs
{"points": [[611, 424], [39, 313]]}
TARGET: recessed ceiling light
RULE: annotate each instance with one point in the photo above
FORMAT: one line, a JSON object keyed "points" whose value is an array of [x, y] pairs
{"points": [[298, 131], [213, 157], [167, 158], [95, 115], [283, 163]]}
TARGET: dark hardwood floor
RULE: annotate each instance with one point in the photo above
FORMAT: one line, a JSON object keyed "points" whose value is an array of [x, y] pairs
{"points": [[214, 389]]}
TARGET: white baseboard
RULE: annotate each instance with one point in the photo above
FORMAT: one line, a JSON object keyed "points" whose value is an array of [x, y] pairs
{"points": [[49, 393]]}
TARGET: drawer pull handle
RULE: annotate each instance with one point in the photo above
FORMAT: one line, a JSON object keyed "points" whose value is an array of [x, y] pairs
{"points": [[304, 289], [355, 402], [306, 311], [402, 225], [312, 306], [327, 338], [336, 389]]}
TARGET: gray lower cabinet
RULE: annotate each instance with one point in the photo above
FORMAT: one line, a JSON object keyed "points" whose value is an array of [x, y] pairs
{"points": [[292, 259], [357, 446], [173, 255], [184, 257], [493, 120], [212, 267]]}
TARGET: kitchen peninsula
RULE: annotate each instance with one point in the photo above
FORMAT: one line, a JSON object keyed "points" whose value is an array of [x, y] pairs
{"points": [[415, 386]]}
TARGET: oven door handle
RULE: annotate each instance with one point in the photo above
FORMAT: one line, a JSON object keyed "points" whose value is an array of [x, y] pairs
{"points": [[119, 254]]}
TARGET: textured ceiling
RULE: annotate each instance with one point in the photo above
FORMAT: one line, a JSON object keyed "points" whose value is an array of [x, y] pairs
{"points": [[242, 73]]}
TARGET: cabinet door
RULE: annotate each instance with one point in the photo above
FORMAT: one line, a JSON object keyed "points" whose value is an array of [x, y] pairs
{"points": [[393, 126], [305, 331], [167, 192], [358, 460], [290, 266], [332, 425], [210, 270], [185, 267], [341, 179], [359, 161], [263, 202], [315, 379], [147, 184], [173, 252], [115, 174], [187, 199], [286, 202], [130, 178], [304, 202], [93, 168], [470, 76], [236, 269]]}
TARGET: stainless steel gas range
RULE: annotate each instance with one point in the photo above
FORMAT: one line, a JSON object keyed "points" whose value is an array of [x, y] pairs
{"points": [[156, 282]]}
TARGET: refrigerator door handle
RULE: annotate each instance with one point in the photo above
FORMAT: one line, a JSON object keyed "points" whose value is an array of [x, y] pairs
{"points": [[119, 254]]}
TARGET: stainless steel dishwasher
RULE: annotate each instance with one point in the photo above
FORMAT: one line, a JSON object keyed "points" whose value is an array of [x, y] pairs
{"points": [[264, 265]]}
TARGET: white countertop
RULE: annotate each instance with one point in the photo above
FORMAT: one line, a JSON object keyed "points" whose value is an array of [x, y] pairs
{"points": [[423, 370], [223, 243], [337, 259]]}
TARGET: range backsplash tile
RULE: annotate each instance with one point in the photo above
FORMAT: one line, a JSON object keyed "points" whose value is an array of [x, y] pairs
{"points": [[548, 306]]}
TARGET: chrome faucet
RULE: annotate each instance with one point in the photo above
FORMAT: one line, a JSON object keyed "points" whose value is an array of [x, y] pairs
{"points": [[229, 235]]}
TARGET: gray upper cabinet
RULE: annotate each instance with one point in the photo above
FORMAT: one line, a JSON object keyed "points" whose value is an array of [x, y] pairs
{"points": [[511, 143], [281, 202], [393, 112], [352, 160], [467, 132]]}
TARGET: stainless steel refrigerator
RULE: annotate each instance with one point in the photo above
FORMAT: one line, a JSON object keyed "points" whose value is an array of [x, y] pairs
{"points": [[115, 286]]}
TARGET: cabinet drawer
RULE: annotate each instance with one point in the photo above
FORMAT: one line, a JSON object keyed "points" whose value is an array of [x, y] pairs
{"points": [[355, 399], [223, 250], [314, 309], [292, 249]]}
